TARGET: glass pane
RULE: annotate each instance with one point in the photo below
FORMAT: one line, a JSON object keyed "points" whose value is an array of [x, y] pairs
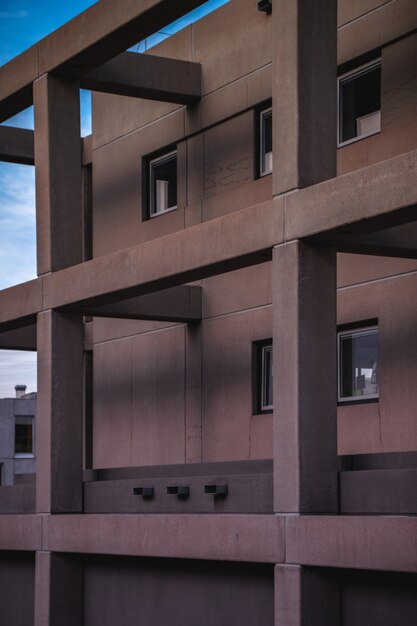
{"points": [[24, 435], [359, 364], [267, 399], [164, 184], [266, 142], [360, 103]]}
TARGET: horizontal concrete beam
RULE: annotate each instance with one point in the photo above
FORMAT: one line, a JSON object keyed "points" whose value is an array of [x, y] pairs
{"points": [[19, 339], [400, 241], [379, 196], [236, 240], [92, 38], [253, 538], [16, 145], [178, 304], [20, 532], [146, 76], [378, 543], [20, 304]]}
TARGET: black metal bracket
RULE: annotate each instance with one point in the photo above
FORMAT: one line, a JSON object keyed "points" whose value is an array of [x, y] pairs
{"points": [[265, 6], [181, 491], [218, 491], [147, 493]]}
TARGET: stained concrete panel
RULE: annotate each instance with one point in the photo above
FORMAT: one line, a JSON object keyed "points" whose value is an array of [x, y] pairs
{"points": [[388, 425], [117, 189], [158, 402], [353, 269], [228, 293], [349, 10], [228, 154], [227, 58], [17, 588], [230, 431], [392, 20], [112, 423], [178, 593]]}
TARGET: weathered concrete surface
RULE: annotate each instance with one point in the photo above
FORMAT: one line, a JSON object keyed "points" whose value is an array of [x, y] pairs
{"points": [[147, 76], [59, 440], [90, 39], [19, 339], [305, 372], [379, 543], [20, 532], [19, 304], [16, 145], [254, 538]]}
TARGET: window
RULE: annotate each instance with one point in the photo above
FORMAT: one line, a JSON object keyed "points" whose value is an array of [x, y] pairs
{"points": [[262, 377], [23, 440], [265, 142], [358, 364], [359, 103], [163, 184]]}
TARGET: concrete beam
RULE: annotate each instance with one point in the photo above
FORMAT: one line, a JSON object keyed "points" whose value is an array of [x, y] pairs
{"points": [[147, 76], [236, 240], [304, 93], [92, 38], [178, 304], [376, 197], [253, 538], [16, 145], [400, 241], [59, 227], [20, 304], [20, 532], [305, 384], [59, 419], [19, 339], [378, 542]]}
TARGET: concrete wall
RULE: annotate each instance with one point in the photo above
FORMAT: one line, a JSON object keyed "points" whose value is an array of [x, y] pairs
{"points": [[17, 582], [154, 592], [9, 408], [189, 391]]}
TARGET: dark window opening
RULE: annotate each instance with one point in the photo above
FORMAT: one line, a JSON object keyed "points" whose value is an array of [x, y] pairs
{"points": [[262, 377], [360, 103], [23, 441], [163, 184], [358, 364]]}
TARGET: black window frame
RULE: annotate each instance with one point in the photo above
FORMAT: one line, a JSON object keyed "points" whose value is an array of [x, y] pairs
{"points": [[361, 327], [259, 113], [166, 153], [258, 351], [347, 73]]}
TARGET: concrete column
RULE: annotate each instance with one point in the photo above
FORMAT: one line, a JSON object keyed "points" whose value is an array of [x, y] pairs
{"points": [[59, 441], [304, 336], [59, 225], [193, 406], [304, 69], [58, 590], [306, 597]]}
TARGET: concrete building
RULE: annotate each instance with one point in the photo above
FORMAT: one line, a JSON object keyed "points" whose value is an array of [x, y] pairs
{"points": [[17, 437], [224, 316]]}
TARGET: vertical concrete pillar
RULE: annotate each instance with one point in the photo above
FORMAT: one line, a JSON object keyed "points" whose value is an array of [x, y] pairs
{"points": [[59, 226], [306, 597], [59, 413], [304, 335], [193, 406], [58, 590], [304, 92]]}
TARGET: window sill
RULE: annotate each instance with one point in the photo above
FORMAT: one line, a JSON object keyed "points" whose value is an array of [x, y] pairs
{"points": [[358, 138]]}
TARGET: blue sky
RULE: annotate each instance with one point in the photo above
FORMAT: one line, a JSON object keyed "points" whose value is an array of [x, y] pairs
{"points": [[23, 23]]}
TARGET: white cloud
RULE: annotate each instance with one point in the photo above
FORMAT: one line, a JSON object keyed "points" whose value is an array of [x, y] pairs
{"points": [[17, 224], [17, 368]]}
